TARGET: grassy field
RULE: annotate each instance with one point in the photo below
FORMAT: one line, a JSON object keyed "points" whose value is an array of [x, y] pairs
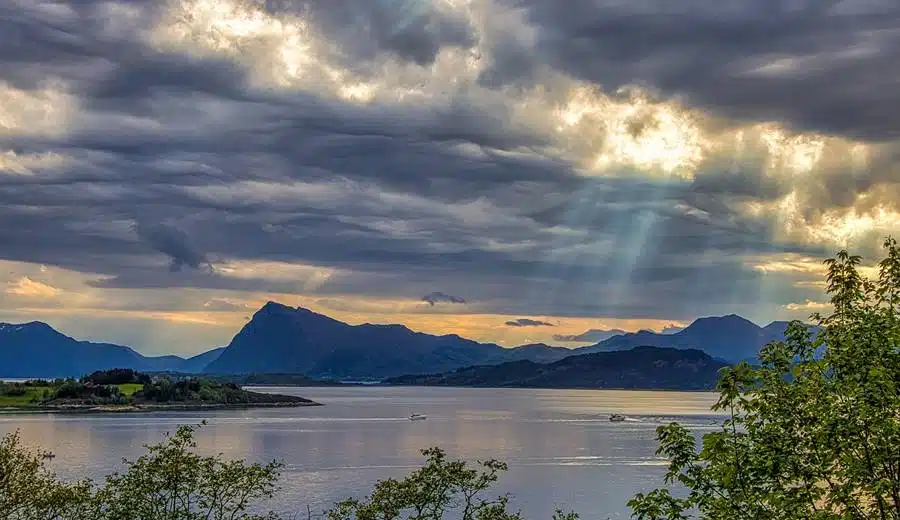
{"points": [[129, 389], [34, 393]]}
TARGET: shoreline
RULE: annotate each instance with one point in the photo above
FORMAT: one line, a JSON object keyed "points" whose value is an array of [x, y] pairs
{"points": [[520, 387], [148, 408]]}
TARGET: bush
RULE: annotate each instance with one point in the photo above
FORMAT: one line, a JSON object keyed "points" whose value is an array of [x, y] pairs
{"points": [[13, 390], [82, 391], [71, 391]]}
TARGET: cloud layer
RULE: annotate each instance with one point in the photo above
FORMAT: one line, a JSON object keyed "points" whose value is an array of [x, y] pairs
{"points": [[589, 159]]}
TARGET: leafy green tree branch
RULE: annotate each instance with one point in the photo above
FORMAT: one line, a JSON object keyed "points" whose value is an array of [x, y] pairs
{"points": [[813, 432]]}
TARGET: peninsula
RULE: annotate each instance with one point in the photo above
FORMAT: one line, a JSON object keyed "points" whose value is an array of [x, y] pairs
{"points": [[126, 390]]}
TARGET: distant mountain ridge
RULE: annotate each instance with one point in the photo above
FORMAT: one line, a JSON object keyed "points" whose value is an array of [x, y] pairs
{"points": [[730, 338], [282, 339], [645, 368], [36, 349]]}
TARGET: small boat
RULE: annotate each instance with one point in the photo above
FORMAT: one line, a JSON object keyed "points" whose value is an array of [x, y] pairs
{"points": [[49, 455], [616, 418], [418, 417]]}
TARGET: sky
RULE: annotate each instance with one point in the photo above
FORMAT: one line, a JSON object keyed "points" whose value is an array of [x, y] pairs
{"points": [[511, 171]]}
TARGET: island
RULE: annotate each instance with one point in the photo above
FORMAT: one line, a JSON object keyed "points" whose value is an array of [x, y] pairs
{"points": [[126, 390]]}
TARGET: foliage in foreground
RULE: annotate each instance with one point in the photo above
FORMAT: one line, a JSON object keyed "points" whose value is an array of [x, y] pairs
{"points": [[169, 482], [442, 487], [172, 482], [29, 491], [808, 436]]}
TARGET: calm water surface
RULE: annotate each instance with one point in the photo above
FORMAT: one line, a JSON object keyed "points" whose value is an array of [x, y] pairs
{"points": [[560, 446]]}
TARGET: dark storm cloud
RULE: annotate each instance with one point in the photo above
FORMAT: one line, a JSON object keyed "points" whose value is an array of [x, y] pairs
{"points": [[398, 198], [174, 243], [74, 41], [527, 322], [828, 61], [143, 77], [439, 297]]}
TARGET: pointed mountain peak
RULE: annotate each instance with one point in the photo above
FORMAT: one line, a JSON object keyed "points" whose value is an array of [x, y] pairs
{"points": [[273, 306], [273, 309]]}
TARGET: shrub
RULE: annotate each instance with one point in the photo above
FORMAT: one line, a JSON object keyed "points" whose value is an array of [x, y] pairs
{"points": [[14, 390]]}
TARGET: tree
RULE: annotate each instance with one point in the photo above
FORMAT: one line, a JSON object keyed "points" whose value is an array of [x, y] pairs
{"points": [[29, 491], [171, 482], [116, 376], [814, 431], [441, 487]]}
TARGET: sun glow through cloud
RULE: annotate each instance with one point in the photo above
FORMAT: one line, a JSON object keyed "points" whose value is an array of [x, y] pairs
{"points": [[636, 132], [280, 49], [374, 146], [794, 154], [45, 110], [27, 287], [28, 164]]}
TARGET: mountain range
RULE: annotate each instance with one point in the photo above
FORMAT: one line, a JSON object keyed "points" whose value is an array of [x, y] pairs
{"points": [[729, 338], [282, 339]]}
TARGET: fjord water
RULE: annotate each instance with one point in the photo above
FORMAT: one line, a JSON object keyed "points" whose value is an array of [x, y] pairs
{"points": [[559, 444]]}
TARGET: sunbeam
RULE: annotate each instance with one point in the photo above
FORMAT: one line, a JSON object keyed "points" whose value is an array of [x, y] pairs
{"points": [[536, 160]]}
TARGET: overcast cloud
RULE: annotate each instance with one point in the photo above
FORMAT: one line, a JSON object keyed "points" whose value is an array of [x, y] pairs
{"points": [[597, 160]]}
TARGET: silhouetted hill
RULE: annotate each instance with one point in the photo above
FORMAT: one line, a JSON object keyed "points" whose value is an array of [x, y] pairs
{"points": [[280, 339], [538, 352], [36, 349], [286, 339], [638, 368], [730, 338]]}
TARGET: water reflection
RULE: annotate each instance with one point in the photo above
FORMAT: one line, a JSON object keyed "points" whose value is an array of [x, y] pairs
{"points": [[559, 444]]}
